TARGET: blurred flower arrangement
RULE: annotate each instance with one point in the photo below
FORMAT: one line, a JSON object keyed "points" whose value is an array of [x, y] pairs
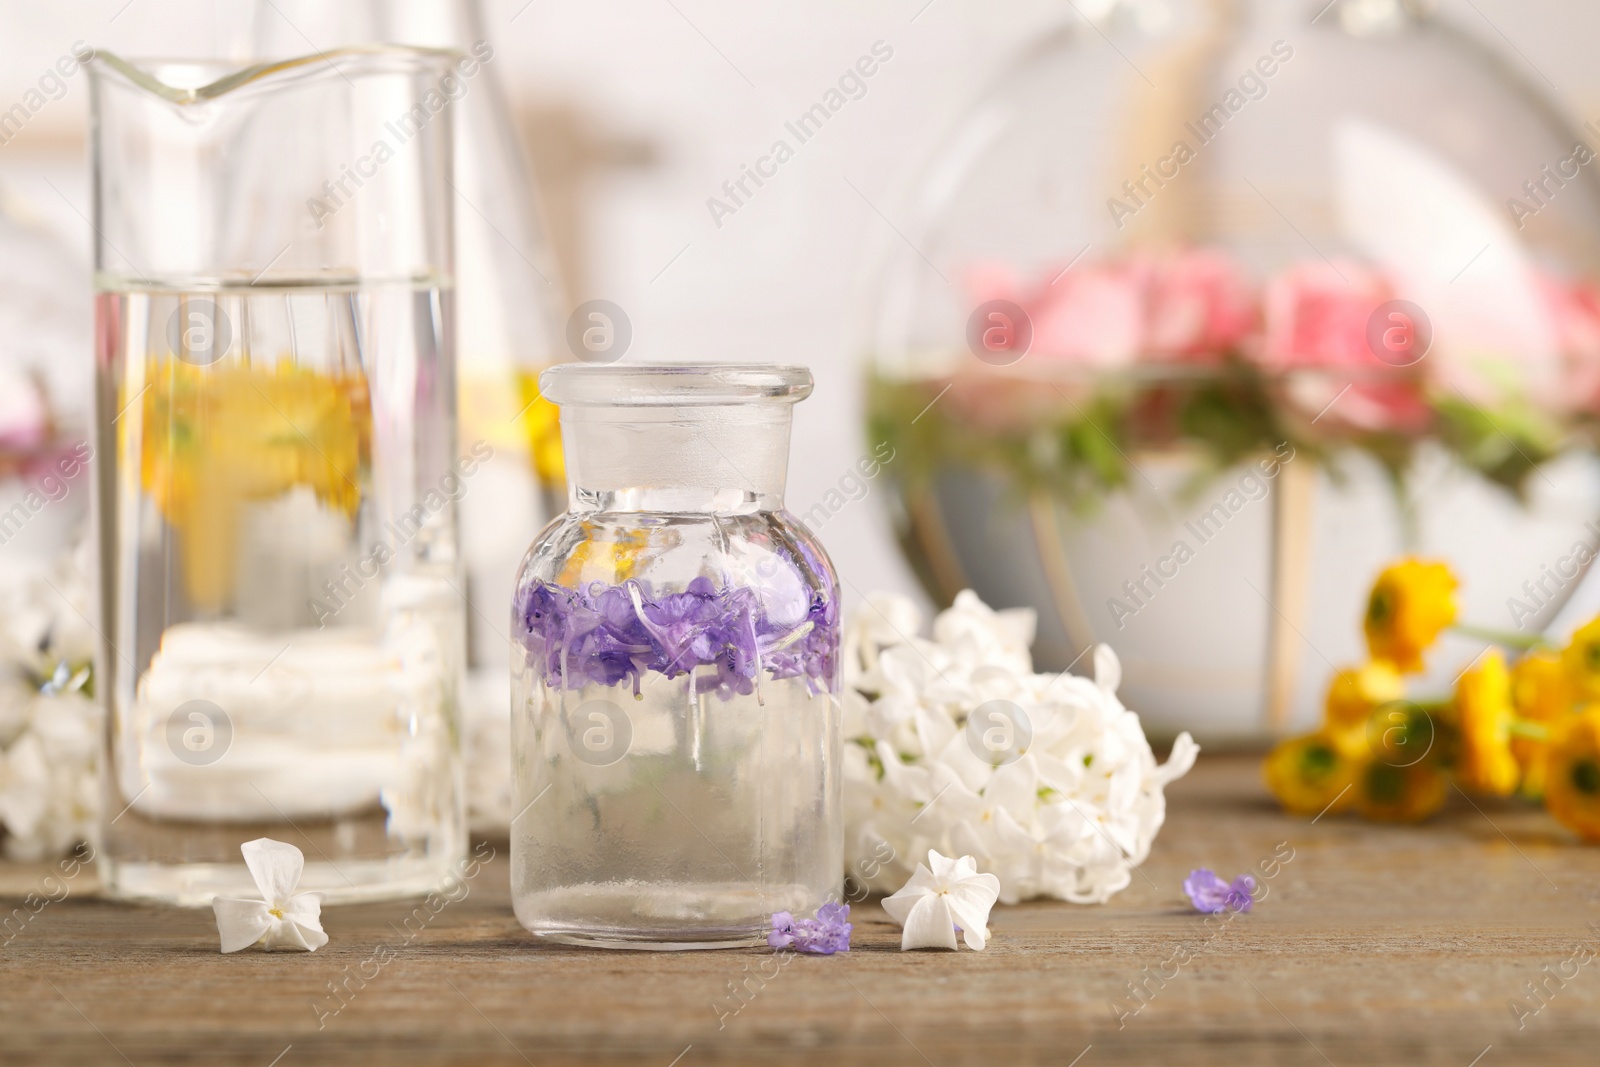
{"points": [[49, 719], [1180, 347], [1528, 726], [955, 744]]}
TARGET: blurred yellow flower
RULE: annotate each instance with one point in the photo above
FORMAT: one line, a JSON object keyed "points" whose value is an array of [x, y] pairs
{"points": [[1353, 695], [1484, 763], [541, 420], [1540, 693], [1582, 660], [211, 439], [1387, 793], [1572, 773], [1411, 602], [1309, 773], [606, 554]]}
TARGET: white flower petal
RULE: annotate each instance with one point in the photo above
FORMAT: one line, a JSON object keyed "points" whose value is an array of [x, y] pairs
{"points": [[899, 904], [971, 900], [1179, 761], [276, 867], [304, 910], [934, 729], [907, 781], [945, 869], [1107, 669], [959, 757], [241, 923], [1015, 787], [965, 867], [929, 925], [286, 936]]}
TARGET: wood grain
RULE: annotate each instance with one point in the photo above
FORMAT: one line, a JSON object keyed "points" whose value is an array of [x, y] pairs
{"points": [[1374, 945]]}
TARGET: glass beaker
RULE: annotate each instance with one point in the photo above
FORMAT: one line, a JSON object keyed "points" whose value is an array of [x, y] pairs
{"points": [[675, 719], [275, 507], [507, 308]]}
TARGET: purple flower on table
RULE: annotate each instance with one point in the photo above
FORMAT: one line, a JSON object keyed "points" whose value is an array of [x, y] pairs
{"points": [[782, 934], [1209, 893], [828, 933]]}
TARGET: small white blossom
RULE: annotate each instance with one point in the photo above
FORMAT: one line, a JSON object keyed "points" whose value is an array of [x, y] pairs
{"points": [[1068, 813], [940, 897], [282, 919]]}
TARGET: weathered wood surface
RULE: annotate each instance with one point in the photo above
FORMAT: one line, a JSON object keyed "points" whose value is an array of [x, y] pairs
{"points": [[1373, 945]]}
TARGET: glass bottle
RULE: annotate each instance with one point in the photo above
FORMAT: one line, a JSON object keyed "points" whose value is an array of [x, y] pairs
{"points": [[675, 646], [276, 475], [508, 300]]}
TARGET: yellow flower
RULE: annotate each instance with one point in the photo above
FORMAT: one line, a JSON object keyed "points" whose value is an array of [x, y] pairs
{"points": [[1582, 659], [606, 554], [1307, 774], [1541, 693], [1411, 602], [1484, 763], [1572, 773], [212, 439], [542, 421], [1353, 695], [1400, 794]]}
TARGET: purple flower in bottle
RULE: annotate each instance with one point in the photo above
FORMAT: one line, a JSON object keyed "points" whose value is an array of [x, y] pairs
{"points": [[727, 638]]}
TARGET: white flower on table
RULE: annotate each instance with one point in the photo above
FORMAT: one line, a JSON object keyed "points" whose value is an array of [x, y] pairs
{"points": [[941, 896], [1068, 814], [282, 919]]}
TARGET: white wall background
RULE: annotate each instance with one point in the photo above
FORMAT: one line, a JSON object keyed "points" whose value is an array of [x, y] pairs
{"points": [[708, 84]]}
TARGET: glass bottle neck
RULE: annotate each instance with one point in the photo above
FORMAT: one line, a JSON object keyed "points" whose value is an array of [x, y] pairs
{"points": [[277, 25], [714, 460]]}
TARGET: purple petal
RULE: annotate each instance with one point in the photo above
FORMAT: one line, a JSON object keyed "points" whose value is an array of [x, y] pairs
{"points": [[1207, 892], [1241, 893], [782, 935], [1210, 894], [822, 936]]}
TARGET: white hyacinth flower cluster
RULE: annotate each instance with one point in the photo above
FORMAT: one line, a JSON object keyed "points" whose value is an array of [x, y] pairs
{"points": [[955, 744], [49, 722]]}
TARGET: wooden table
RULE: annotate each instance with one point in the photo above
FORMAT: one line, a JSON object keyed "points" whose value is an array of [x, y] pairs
{"points": [[1374, 945]]}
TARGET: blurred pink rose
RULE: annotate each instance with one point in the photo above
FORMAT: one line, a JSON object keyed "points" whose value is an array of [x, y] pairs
{"points": [[1315, 319], [1316, 316], [1093, 314], [24, 416], [1190, 305], [1575, 320], [1199, 306]]}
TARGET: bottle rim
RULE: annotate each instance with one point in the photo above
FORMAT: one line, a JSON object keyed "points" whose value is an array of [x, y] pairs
{"points": [[193, 82], [674, 384]]}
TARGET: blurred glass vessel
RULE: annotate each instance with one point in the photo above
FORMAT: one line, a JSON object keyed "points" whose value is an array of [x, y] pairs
{"points": [[44, 392], [49, 726], [675, 728], [277, 475], [508, 302], [1196, 255]]}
